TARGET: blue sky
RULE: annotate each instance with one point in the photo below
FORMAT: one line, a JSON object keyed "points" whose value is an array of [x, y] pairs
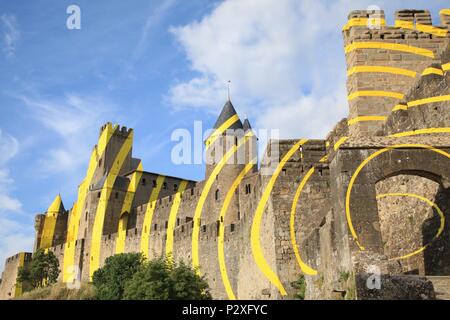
{"points": [[155, 66]]}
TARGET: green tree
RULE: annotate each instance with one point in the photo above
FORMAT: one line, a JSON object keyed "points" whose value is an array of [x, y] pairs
{"points": [[110, 280], [161, 279], [42, 271]]}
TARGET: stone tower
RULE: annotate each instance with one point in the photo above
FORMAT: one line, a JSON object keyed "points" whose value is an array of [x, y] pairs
{"points": [[51, 226], [228, 134], [384, 61]]}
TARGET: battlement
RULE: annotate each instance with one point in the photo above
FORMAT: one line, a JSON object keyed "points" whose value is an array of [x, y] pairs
{"points": [[409, 24], [383, 62]]}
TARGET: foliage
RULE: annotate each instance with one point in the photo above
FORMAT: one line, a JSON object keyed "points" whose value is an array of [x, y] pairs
{"points": [[160, 279], [42, 271], [60, 291], [110, 280], [300, 285]]}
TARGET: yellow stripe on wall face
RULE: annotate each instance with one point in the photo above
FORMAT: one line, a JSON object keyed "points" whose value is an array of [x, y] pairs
{"points": [[173, 219], [77, 210], [366, 118], [389, 46], [227, 124], [420, 102], [221, 236], [126, 208], [203, 196], [381, 69], [148, 217], [375, 93], [103, 203], [256, 225], [364, 22]]}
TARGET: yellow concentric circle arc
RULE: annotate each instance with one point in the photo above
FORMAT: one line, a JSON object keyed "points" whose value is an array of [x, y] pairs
{"points": [[363, 164], [431, 204]]}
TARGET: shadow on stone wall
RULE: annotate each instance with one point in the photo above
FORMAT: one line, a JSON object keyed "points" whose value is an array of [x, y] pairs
{"points": [[437, 254]]}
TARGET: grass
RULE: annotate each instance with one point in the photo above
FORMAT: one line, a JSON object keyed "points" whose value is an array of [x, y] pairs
{"points": [[60, 292]]}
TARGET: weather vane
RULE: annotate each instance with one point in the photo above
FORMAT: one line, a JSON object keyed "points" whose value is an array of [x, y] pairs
{"points": [[229, 81]]}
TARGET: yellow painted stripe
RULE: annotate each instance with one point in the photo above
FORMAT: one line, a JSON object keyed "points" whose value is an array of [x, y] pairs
{"points": [[339, 143], [221, 236], [173, 219], [18, 290], [366, 118], [431, 29], [324, 158], [382, 69], [303, 266], [48, 230], [446, 66], [420, 102], [97, 230], [445, 12], [256, 225], [432, 70], [203, 196], [431, 204], [389, 46], [400, 107], [364, 22], [375, 93], [420, 131], [148, 217], [213, 137], [362, 165], [404, 24], [77, 210], [126, 208]]}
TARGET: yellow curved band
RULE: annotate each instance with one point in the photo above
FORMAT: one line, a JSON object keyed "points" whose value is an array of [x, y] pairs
{"points": [[173, 219], [363, 164], [148, 216], [213, 137], [364, 22], [431, 204], [204, 195], [420, 102], [420, 131], [256, 225], [366, 118], [303, 266], [375, 93], [221, 237], [382, 69], [432, 70], [389, 46], [339, 143]]}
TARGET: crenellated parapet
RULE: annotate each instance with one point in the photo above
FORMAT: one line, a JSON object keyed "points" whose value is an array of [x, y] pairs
{"points": [[384, 61]]}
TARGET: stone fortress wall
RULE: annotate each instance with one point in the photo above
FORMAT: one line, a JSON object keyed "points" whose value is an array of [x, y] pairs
{"points": [[375, 192]]}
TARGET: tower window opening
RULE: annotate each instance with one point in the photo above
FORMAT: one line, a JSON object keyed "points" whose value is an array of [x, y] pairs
{"points": [[154, 183], [217, 195], [165, 185], [175, 187], [98, 194], [144, 182]]}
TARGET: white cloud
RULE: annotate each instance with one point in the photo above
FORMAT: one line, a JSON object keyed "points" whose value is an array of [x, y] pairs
{"points": [[284, 58], [14, 236], [11, 34], [9, 147], [75, 121]]}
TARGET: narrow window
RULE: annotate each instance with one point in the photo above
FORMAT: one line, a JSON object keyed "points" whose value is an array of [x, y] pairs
{"points": [[86, 216], [284, 172], [100, 162], [154, 183], [165, 185], [239, 215], [217, 194], [166, 224], [175, 187], [144, 182], [155, 227], [192, 191], [116, 195], [98, 194]]}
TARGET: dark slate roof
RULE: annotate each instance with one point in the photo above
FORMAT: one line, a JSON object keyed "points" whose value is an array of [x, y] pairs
{"points": [[247, 125], [227, 112]]}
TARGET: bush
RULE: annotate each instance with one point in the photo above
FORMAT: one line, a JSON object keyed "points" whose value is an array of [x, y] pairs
{"points": [[110, 280], [300, 285], [161, 279], [42, 271]]}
